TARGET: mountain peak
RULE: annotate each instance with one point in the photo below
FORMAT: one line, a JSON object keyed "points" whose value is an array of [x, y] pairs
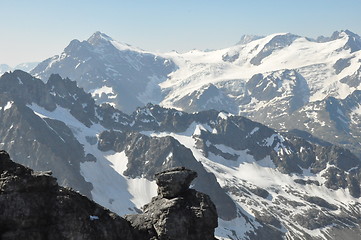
{"points": [[341, 34], [337, 35], [100, 39], [344, 33], [353, 40], [99, 36], [247, 39], [4, 68]]}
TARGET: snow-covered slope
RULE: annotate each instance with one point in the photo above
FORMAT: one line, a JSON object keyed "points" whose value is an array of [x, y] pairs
{"points": [[230, 69]]}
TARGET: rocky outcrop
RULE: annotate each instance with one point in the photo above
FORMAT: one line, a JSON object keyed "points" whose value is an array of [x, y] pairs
{"points": [[33, 206], [173, 183], [177, 213]]}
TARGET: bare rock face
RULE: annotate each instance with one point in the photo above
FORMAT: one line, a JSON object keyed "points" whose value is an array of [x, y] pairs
{"points": [[174, 182], [33, 206], [177, 213]]}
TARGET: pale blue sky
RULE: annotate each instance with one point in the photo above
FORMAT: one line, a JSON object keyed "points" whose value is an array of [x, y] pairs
{"points": [[32, 30]]}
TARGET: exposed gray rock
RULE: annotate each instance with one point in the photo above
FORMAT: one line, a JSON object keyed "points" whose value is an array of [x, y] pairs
{"points": [[174, 182], [25, 88], [67, 94], [177, 213], [230, 58], [345, 233], [260, 192], [266, 87], [308, 181], [42, 144], [33, 206], [313, 219], [341, 64], [320, 202], [353, 41], [353, 80]]}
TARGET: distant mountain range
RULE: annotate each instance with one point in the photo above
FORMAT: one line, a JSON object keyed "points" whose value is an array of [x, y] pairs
{"points": [[27, 67], [266, 185], [282, 80]]}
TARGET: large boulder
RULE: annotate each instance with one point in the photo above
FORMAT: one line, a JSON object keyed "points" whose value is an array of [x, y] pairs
{"points": [[172, 183], [177, 213]]}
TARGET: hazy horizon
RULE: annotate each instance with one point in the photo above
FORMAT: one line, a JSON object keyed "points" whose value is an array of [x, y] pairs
{"points": [[35, 30]]}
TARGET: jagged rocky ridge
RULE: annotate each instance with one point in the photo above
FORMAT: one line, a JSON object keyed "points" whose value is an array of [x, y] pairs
{"points": [[282, 80], [234, 156], [33, 206]]}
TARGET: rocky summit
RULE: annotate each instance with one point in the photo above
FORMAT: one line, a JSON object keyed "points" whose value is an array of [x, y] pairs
{"points": [[33, 206], [177, 213]]}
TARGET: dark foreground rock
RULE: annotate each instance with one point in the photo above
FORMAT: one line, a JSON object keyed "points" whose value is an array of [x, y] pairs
{"points": [[177, 213], [33, 206]]}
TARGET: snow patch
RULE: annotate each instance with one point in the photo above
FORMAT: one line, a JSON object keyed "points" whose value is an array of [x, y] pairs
{"points": [[103, 90], [92, 218], [224, 115], [8, 105]]}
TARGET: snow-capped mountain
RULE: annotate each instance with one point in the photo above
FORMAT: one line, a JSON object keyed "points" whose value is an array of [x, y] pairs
{"points": [[272, 79], [27, 67], [329, 67], [113, 72], [4, 68], [324, 66], [265, 185]]}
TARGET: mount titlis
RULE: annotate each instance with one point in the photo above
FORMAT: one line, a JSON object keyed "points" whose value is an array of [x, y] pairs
{"points": [[270, 125]]}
